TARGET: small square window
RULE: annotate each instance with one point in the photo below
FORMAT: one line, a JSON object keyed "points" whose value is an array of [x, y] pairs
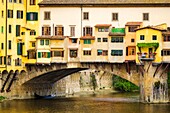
{"points": [[142, 37], [74, 40], [154, 37], [145, 16], [115, 16], [132, 40], [104, 39], [47, 15], [86, 15], [98, 39]]}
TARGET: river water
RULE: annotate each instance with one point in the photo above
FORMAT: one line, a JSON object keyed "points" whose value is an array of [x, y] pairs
{"points": [[103, 103]]}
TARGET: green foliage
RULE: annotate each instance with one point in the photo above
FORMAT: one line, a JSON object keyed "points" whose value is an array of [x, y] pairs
{"points": [[123, 85], [2, 98], [93, 81]]}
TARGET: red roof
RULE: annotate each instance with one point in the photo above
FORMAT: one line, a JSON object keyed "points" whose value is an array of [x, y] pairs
{"points": [[133, 23], [103, 25]]}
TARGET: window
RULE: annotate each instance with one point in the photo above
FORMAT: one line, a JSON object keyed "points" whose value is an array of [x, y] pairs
{"points": [[166, 52], [31, 54], [17, 30], [32, 32], [9, 60], [44, 54], [2, 1], [167, 38], [10, 0], [41, 42], [2, 15], [19, 14], [33, 44], [105, 52], [9, 44], [58, 53], [115, 16], [99, 52], [142, 37], [18, 62], [87, 41], [15, 1], [19, 48], [98, 39], [2, 29], [104, 39], [87, 31], [103, 29], [47, 15], [74, 40], [32, 2], [145, 16], [117, 39], [73, 53], [1, 60], [132, 28], [117, 52], [10, 13], [20, 1], [47, 42], [10, 29], [59, 31], [2, 45], [87, 52], [154, 37], [132, 51], [46, 30], [32, 16], [132, 40], [85, 15], [72, 31]]}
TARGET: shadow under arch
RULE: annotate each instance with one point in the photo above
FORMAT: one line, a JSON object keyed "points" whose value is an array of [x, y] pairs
{"points": [[53, 76]]}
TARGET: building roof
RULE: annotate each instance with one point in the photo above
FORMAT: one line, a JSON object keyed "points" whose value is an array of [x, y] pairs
{"points": [[151, 27], [133, 23], [102, 25], [106, 2]]}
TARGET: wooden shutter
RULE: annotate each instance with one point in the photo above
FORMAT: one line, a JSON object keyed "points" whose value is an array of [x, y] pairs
{"points": [[48, 54], [39, 54]]}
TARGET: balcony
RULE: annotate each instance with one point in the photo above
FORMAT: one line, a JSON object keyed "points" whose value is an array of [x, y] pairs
{"points": [[146, 56]]}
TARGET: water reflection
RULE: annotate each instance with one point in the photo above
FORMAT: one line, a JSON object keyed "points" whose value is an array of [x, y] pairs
{"points": [[110, 103]]}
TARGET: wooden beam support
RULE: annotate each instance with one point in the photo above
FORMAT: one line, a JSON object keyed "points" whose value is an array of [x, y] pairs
{"points": [[164, 69]]}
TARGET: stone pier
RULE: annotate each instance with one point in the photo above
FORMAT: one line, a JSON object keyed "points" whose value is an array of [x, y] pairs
{"points": [[153, 82]]}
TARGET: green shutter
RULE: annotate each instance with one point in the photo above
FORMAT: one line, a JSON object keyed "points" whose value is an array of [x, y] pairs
{"points": [[39, 54], [19, 48], [4, 59], [48, 54], [28, 16]]}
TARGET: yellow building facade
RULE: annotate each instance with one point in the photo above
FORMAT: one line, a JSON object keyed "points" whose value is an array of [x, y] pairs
{"points": [[19, 27], [149, 43]]}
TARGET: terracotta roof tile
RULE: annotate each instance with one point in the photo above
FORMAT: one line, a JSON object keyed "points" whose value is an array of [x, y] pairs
{"points": [[102, 25], [71, 2], [133, 23]]}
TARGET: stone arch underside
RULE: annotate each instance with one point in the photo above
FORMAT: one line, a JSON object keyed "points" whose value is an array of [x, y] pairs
{"points": [[53, 76]]}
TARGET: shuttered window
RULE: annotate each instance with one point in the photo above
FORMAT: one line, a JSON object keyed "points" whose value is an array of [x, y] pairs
{"points": [[39, 54], [32, 16], [19, 48], [17, 30]]}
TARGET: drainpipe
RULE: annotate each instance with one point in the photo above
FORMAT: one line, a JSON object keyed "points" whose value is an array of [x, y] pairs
{"points": [[6, 35]]}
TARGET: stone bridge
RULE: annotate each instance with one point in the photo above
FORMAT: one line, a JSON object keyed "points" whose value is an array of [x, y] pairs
{"points": [[26, 82]]}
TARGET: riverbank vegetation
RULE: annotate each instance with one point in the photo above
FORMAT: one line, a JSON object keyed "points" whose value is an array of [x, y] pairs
{"points": [[2, 98], [123, 85]]}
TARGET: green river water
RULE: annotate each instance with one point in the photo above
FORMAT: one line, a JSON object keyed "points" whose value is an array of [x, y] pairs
{"points": [[103, 103]]}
